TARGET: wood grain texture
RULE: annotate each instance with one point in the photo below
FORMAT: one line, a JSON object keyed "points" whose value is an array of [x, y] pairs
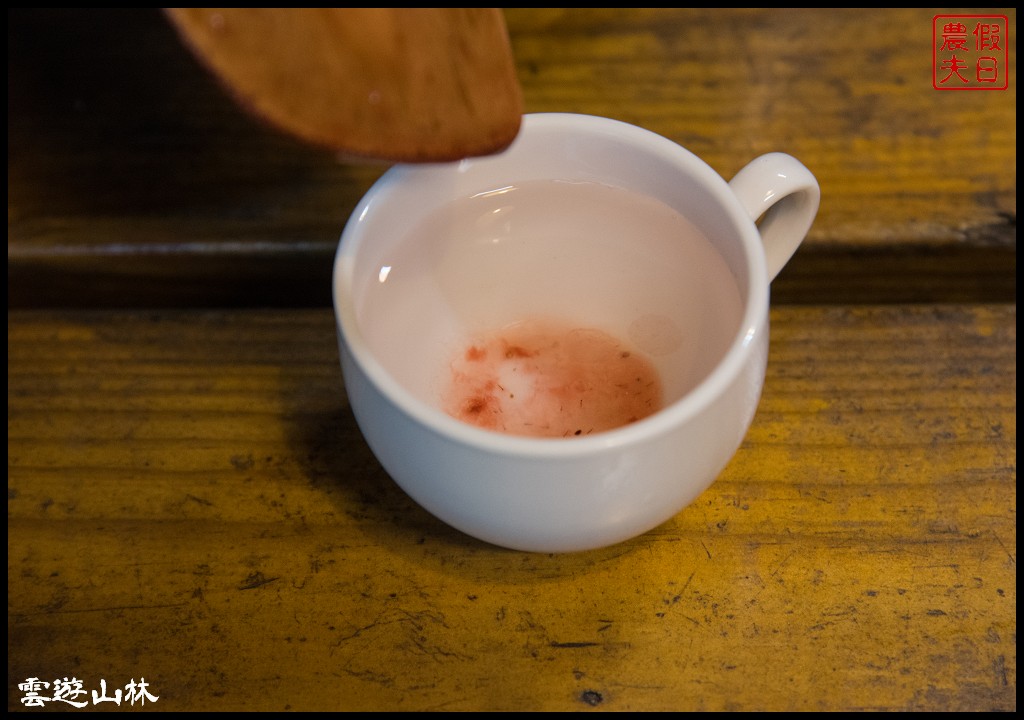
{"points": [[190, 501], [846, 90], [392, 84], [134, 180]]}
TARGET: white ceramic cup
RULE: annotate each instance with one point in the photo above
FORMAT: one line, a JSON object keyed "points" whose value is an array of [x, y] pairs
{"points": [[543, 494]]}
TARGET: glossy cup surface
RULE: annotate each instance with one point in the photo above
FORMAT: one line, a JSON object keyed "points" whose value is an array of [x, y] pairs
{"points": [[552, 495]]}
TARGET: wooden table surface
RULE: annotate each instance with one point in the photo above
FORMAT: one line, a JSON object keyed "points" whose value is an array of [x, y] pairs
{"points": [[190, 501]]}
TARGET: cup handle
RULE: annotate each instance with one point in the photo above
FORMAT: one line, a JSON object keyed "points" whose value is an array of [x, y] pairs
{"points": [[779, 188]]}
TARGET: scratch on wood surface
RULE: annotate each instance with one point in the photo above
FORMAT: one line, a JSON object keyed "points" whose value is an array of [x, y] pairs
{"points": [[108, 608], [255, 580], [556, 644]]}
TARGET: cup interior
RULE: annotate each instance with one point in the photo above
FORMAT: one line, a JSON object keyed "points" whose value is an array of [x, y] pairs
{"points": [[582, 223]]}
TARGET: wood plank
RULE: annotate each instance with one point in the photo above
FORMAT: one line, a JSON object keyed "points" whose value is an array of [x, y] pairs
{"points": [[190, 501], [132, 179]]}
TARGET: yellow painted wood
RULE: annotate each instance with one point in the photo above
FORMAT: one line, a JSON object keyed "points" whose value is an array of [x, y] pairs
{"points": [[849, 91], [190, 501], [133, 180]]}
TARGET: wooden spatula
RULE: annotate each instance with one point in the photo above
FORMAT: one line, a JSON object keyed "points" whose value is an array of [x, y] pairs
{"points": [[394, 84]]}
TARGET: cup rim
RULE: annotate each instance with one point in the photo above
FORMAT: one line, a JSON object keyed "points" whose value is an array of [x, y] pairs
{"points": [[679, 412]]}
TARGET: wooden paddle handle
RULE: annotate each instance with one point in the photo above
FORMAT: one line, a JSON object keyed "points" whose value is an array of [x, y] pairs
{"points": [[404, 84]]}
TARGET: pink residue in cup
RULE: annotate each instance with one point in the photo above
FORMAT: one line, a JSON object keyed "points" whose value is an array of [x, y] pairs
{"points": [[544, 379]]}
